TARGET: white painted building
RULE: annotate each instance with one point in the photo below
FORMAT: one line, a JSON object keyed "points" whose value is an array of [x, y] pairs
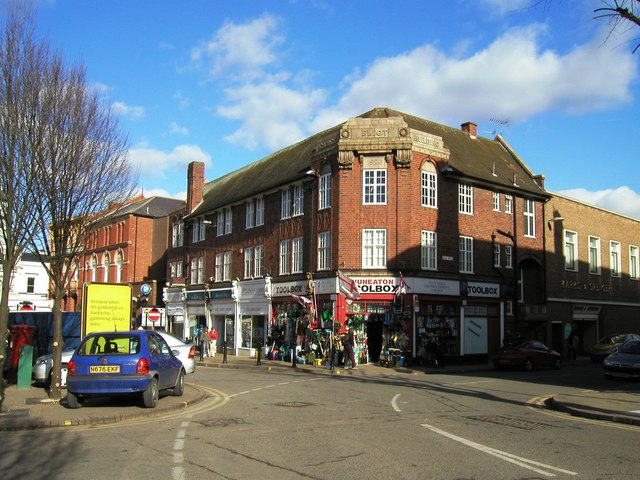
{"points": [[29, 285]]}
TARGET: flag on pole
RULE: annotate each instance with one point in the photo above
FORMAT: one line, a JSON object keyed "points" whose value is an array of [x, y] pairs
{"points": [[304, 301], [402, 288], [348, 286]]}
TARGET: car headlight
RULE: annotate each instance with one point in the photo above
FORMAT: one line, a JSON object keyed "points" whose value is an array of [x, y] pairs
{"points": [[41, 360], [606, 361]]}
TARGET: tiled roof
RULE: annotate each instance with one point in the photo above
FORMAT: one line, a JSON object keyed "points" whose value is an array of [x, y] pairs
{"points": [[152, 207], [474, 159]]}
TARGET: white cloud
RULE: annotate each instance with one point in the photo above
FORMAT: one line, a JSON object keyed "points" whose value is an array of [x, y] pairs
{"points": [[621, 200], [511, 78], [181, 100], [178, 129], [503, 7], [241, 49], [129, 111], [154, 163], [271, 114], [161, 192]]}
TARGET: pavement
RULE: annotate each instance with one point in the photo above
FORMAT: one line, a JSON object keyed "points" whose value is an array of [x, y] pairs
{"points": [[30, 408]]}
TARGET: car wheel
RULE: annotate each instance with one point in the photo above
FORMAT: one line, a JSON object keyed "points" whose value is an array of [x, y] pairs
{"points": [[178, 390], [150, 395], [73, 401], [528, 365]]}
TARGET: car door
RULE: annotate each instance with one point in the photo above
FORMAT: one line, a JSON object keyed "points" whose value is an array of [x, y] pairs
{"points": [[163, 360]]}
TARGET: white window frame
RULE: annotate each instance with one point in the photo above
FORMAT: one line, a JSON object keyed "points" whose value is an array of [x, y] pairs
{"points": [[285, 257], [634, 265], [529, 218], [595, 256], [258, 263], [324, 199], [298, 200], [250, 214], [226, 267], [259, 211], [429, 189], [198, 234], [496, 255], [465, 199], [220, 223], [428, 250], [119, 266], [496, 201], [466, 254], [297, 251], [324, 250], [228, 221], [177, 235], [570, 251], [285, 204], [248, 262], [374, 248], [615, 260], [106, 265], [374, 186], [508, 256], [508, 203], [219, 267]]}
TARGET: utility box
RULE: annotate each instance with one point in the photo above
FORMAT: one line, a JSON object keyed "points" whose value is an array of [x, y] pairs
{"points": [[25, 366]]}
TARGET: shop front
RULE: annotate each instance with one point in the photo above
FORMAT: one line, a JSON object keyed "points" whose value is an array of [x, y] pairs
{"points": [[196, 314], [174, 304], [222, 311], [254, 307]]}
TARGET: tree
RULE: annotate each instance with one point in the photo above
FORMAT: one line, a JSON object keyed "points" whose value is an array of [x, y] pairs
{"points": [[21, 61], [621, 14], [78, 155]]}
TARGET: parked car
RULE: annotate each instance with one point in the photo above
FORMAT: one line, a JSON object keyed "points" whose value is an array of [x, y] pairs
{"points": [[186, 351], [609, 344], [42, 369], [138, 363], [527, 354], [624, 363]]}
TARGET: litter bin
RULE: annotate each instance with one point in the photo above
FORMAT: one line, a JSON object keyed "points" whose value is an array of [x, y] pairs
{"points": [[25, 366]]}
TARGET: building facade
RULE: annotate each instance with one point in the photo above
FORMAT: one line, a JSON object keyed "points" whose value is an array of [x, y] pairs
{"points": [[593, 272], [407, 230], [29, 289], [127, 244]]}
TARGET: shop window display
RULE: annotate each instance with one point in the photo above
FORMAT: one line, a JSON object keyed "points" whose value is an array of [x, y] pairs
{"points": [[437, 325]]}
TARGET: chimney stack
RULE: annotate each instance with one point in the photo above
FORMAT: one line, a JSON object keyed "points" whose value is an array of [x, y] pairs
{"points": [[470, 128], [195, 185]]}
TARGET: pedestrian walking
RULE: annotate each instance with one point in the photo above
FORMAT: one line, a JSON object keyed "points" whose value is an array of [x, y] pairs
{"points": [[572, 342], [203, 343], [348, 343]]}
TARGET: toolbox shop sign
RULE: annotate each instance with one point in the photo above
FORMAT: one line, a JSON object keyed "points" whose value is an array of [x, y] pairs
{"points": [[481, 289], [376, 284]]}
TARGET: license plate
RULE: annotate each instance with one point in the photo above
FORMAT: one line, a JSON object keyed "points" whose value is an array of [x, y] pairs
{"points": [[104, 369]]}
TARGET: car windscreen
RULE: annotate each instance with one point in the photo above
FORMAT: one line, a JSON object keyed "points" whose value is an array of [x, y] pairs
{"points": [[110, 344], [630, 347]]}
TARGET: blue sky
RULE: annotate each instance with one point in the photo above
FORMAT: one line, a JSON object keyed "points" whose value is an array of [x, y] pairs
{"points": [[228, 82]]}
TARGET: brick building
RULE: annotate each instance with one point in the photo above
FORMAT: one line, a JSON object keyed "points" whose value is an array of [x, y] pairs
{"points": [[406, 229], [127, 244], [593, 272]]}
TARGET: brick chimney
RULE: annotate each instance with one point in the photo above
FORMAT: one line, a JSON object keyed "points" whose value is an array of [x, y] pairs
{"points": [[470, 128], [195, 185]]}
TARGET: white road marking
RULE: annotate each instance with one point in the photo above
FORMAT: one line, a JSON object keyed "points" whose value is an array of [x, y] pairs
{"points": [[507, 457], [394, 403]]}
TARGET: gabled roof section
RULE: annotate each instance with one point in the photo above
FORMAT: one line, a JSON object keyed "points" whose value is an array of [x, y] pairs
{"points": [[474, 159], [152, 207]]}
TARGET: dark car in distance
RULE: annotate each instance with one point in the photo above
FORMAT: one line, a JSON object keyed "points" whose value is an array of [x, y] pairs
{"points": [[136, 363], [609, 344], [624, 363], [526, 354]]}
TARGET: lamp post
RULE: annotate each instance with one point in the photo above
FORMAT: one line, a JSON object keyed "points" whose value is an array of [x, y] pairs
{"points": [[293, 342], [514, 240]]}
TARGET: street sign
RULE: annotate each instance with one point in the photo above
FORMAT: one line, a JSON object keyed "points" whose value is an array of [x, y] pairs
{"points": [[154, 315]]}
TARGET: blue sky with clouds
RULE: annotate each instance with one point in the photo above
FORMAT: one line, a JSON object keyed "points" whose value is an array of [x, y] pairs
{"points": [[228, 82]]}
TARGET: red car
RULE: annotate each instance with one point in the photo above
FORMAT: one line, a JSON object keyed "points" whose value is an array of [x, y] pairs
{"points": [[527, 354]]}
